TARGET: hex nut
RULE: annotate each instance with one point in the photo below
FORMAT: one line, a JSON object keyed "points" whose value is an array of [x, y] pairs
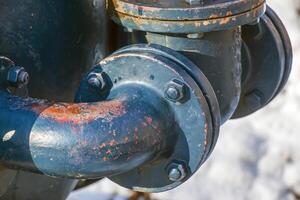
{"points": [[177, 171], [176, 91], [17, 76]]}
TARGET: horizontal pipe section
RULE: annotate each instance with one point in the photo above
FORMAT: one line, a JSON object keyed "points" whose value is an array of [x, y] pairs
{"points": [[83, 140]]}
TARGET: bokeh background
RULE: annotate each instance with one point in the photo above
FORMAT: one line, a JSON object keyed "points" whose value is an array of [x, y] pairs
{"points": [[256, 158]]}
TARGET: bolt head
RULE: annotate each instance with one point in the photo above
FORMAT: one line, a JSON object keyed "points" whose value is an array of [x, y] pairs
{"points": [[174, 174], [18, 77], [176, 91], [177, 172], [172, 93], [97, 80]]}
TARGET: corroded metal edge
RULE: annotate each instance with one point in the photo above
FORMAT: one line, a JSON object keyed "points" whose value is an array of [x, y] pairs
{"points": [[188, 26], [183, 11]]}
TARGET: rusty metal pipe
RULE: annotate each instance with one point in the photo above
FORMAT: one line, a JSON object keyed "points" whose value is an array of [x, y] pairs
{"points": [[84, 140]]}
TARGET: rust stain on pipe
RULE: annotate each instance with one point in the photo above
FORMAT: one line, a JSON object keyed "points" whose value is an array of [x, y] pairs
{"points": [[82, 113]]}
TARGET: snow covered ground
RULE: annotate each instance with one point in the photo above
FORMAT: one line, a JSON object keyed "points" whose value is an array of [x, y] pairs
{"points": [[256, 158]]}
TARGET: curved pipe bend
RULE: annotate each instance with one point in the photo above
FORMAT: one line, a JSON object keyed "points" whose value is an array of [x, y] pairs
{"points": [[83, 140]]}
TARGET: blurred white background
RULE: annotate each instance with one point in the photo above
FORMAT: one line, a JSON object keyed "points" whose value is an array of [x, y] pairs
{"points": [[256, 158]]}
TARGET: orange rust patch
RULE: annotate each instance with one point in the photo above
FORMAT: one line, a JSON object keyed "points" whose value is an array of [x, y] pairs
{"points": [[83, 112], [143, 22], [206, 134]]}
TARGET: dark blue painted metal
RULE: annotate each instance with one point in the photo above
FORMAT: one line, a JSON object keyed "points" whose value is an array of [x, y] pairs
{"points": [[216, 54], [179, 17], [83, 140], [267, 61], [56, 41], [129, 130], [134, 131], [197, 117]]}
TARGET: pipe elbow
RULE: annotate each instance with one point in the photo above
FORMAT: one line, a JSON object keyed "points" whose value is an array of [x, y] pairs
{"points": [[84, 140]]}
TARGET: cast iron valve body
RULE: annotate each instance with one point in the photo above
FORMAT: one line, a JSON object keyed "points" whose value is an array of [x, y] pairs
{"points": [[232, 42], [148, 115]]}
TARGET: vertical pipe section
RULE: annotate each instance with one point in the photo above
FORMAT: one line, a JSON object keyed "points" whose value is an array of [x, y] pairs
{"points": [[84, 140], [217, 54]]}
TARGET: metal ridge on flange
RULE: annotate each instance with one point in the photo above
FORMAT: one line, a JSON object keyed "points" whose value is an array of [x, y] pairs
{"points": [[180, 10], [217, 16]]}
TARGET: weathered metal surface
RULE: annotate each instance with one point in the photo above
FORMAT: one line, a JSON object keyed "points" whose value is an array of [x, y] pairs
{"points": [[287, 47], [147, 116], [180, 17], [216, 54], [193, 71], [267, 59], [54, 40], [196, 120], [181, 10], [123, 135], [84, 140]]}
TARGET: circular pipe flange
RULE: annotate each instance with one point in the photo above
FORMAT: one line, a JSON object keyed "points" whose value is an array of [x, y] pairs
{"points": [[180, 17], [197, 122], [287, 47], [267, 62], [193, 70]]}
